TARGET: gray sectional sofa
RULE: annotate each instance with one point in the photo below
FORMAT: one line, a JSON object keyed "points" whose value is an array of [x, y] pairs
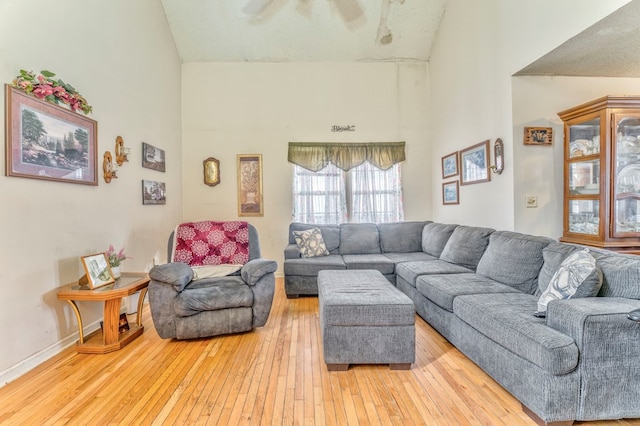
{"points": [[480, 288]]}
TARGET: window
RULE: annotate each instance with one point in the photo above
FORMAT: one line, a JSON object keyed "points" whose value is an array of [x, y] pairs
{"points": [[363, 194]]}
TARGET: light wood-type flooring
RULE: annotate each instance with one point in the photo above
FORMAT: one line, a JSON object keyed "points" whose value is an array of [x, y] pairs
{"points": [[273, 375]]}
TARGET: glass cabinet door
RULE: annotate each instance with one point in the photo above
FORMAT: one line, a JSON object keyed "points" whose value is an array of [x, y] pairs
{"points": [[584, 216], [584, 177], [626, 174], [584, 138]]}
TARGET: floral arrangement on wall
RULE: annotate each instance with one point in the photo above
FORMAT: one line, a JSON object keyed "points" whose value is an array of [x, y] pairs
{"points": [[44, 86]]}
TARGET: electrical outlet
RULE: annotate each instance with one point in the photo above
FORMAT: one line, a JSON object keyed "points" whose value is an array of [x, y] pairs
{"points": [[531, 201]]}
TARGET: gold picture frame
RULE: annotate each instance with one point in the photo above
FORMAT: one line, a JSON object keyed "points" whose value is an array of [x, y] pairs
{"points": [[250, 199], [211, 171], [97, 271]]}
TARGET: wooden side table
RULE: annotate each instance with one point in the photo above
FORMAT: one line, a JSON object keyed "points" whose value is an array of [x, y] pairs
{"points": [[109, 339]]}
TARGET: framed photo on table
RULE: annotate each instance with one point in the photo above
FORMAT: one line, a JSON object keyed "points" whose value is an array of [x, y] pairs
{"points": [[97, 271], [450, 165], [474, 164], [49, 142], [250, 201]]}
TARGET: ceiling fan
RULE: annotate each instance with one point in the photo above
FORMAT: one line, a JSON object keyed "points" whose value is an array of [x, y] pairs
{"points": [[349, 9]]}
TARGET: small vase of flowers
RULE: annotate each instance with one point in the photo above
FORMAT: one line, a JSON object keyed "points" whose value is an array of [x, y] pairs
{"points": [[115, 260]]}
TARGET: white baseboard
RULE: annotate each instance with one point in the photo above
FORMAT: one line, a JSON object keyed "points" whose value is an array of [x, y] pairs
{"points": [[24, 366], [38, 358]]}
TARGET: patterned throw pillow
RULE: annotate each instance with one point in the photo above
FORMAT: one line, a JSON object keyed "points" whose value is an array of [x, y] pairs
{"points": [[575, 271], [310, 243]]}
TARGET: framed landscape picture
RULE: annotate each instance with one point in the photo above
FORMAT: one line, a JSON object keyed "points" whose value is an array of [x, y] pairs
{"points": [[47, 141], [474, 164], [153, 157], [153, 192], [450, 193], [250, 202], [450, 165]]}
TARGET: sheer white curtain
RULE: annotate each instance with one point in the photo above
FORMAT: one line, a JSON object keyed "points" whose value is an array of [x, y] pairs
{"points": [[319, 197], [363, 194], [376, 195]]}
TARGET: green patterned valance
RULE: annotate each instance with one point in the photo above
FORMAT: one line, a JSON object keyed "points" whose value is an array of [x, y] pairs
{"points": [[315, 156]]}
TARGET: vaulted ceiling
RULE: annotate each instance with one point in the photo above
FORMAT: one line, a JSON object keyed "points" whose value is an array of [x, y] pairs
{"points": [[374, 30], [608, 48]]}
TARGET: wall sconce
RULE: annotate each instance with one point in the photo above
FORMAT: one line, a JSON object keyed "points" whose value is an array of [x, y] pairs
{"points": [[498, 154], [121, 151], [110, 170]]}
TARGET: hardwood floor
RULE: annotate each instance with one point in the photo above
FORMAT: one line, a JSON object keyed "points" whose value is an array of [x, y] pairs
{"points": [[273, 375]]}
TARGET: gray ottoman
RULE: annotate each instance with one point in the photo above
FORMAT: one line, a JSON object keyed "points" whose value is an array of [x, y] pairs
{"points": [[365, 320]]}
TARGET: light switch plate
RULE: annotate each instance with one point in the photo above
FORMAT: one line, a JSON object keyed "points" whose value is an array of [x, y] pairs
{"points": [[531, 201]]}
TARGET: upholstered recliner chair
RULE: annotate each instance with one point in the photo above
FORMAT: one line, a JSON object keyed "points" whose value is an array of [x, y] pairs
{"points": [[189, 300]]}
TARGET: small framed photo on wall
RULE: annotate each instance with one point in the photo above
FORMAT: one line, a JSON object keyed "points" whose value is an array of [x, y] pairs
{"points": [[538, 135], [450, 193], [450, 165]]}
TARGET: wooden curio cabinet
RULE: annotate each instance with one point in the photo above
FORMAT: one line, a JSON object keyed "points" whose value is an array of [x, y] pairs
{"points": [[602, 174]]}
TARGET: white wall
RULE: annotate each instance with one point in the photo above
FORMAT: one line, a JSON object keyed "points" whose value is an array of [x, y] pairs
{"points": [[539, 169], [121, 57], [479, 46], [257, 108]]}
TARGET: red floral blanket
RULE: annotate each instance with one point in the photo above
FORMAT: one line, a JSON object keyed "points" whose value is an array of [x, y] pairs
{"points": [[211, 243]]}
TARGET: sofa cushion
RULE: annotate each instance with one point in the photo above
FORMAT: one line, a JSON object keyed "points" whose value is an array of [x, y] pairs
{"points": [[330, 234], [435, 237], [572, 276], [362, 298], [310, 266], [401, 237], [377, 262], [212, 294], [621, 274], [466, 246], [410, 271], [310, 243], [408, 257], [513, 259], [505, 318], [442, 289], [359, 238]]}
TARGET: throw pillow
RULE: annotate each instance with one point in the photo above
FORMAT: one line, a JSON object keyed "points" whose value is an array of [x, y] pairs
{"points": [[573, 273], [310, 243]]}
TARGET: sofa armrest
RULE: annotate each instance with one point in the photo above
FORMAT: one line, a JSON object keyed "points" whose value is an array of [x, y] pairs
{"points": [[591, 317], [177, 274], [255, 269], [609, 345], [291, 251]]}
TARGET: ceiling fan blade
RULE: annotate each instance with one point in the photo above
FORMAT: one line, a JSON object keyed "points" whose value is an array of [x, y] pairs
{"points": [[349, 9], [256, 7]]}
